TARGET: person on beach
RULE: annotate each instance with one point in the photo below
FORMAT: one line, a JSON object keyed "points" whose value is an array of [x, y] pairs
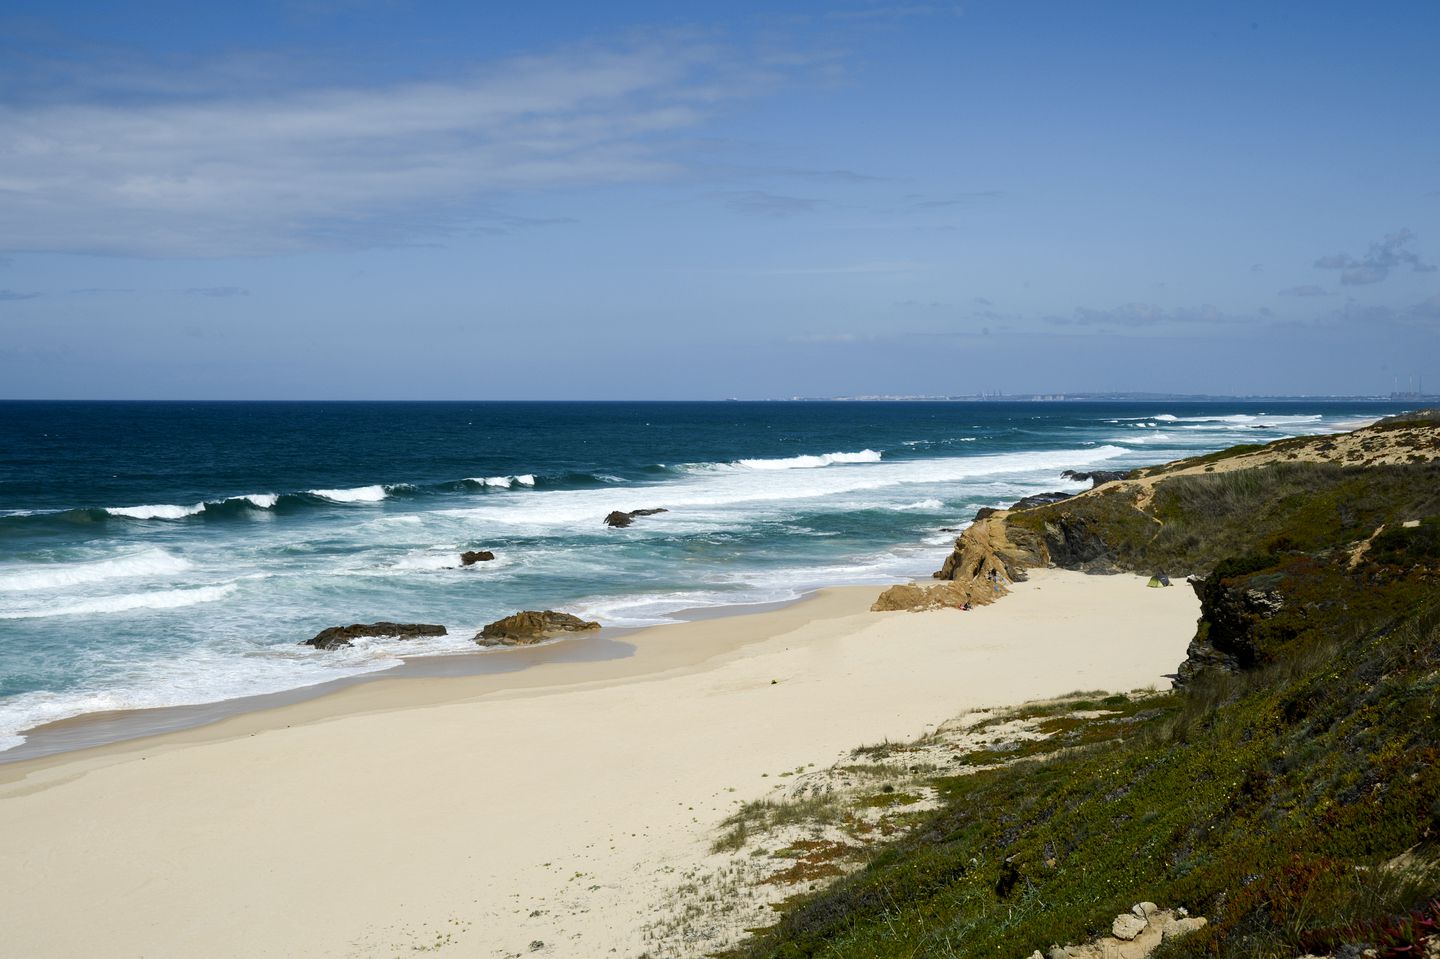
{"points": [[994, 581]]}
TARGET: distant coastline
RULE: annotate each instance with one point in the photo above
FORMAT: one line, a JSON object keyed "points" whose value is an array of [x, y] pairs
{"points": [[1403, 397]]}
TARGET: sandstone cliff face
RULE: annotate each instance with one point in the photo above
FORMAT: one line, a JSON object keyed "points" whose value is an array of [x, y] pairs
{"points": [[990, 545], [987, 558]]}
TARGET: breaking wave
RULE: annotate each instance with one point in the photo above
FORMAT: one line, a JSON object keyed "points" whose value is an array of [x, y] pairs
{"points": [[810, 462], [359, 494]]}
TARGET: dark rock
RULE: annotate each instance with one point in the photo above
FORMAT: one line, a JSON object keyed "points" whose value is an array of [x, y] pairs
{"points": [[949, 529], [985, 512], [1231, 610], [338, 637], [471, 557], [530, 626], [620, 520], [1009, 876], [1074, 542], [1096, 477], [1040, 499]]}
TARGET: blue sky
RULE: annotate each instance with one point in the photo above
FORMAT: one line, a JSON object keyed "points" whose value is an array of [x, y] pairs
{"points": [[387, 199]]}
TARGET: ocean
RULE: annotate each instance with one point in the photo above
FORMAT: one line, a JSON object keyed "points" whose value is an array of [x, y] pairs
{"points": [[157, 554]]}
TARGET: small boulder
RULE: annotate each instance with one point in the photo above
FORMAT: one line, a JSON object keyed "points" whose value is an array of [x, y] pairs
{"points": [[473, 556], [1183, 926], [1145, 910], [1058, 952], [619, 519], [339, 637], [529, 627], [1127, 926]]}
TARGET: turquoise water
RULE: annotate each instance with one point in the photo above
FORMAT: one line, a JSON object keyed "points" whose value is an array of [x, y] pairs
{"points": [[158, 554]]}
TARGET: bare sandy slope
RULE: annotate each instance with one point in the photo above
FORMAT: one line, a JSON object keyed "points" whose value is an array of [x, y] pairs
{"points": [[480, 815]]}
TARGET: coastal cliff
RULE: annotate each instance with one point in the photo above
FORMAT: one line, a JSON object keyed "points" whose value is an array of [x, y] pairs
{"points": [[1288, 790]]}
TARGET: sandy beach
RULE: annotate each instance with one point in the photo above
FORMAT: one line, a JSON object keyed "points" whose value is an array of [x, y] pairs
{"points": [[482, 815]]}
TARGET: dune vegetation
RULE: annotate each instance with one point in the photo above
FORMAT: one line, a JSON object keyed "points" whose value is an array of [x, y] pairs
{"points": [[1288, 790]]}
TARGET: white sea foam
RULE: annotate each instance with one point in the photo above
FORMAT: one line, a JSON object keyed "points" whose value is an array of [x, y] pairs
{"points": [[503, 482], [804, 462], [924, 504], [810, 462], [756, 586], [171, 511], [359, 494], [709, 497], [944, 442], [157, 599], [161, 511], [150, 562], [446, 558], [199, 675], [1245, 419]]}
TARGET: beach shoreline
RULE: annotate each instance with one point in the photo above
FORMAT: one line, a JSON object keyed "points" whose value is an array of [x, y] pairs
{"points": [[554, 804], [97, 729]]}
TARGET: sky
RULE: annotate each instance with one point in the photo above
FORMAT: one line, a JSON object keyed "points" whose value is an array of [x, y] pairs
{"points": [[398, 199]]}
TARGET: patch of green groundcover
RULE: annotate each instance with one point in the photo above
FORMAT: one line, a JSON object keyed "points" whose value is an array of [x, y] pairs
{"points": [[1295, 804], [1267, 801], [1196, 521]]}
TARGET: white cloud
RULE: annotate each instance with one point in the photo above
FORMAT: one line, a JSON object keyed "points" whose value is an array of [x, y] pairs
{"points": [[225, 174]]}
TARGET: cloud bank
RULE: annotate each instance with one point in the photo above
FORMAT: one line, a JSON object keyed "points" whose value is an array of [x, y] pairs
{"points": [[220, 173]]}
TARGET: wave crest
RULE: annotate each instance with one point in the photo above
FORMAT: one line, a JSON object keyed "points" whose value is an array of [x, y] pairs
{"points": [[159, 511], [358, 494], [811, 462], [502, 482]]}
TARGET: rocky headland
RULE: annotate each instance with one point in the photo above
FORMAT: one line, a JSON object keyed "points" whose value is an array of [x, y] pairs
{"points": [[1286, 790]]}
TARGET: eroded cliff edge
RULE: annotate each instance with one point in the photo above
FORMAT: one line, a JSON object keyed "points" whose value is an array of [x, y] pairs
{"points": [[1272, 538]]}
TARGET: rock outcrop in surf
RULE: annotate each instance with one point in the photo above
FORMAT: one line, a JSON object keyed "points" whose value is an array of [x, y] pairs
{"points": [[619, 519], [339, 637], [472, 556], [530, 626]]}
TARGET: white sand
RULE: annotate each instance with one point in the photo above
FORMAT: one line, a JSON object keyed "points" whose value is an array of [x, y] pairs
{"points": [[484, 813]]}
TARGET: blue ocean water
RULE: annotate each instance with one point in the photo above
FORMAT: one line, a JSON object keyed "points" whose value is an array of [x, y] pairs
{"points": [[166, 553]]}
